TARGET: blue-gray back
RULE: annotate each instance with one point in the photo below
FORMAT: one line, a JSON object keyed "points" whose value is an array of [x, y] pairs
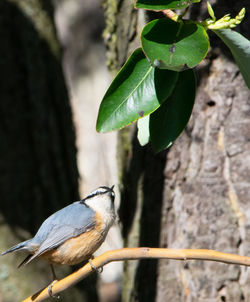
{"points": [[68, 222]]}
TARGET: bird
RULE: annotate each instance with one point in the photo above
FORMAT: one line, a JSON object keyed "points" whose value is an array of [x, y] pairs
{"points": [[72, 234]]}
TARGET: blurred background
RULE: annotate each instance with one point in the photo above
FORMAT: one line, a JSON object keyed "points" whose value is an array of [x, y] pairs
{"points": [[53, 57], [57, 59], [79, 26]]}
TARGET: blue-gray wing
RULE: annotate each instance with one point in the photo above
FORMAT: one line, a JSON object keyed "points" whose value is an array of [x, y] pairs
{"points": [[69, 222]]}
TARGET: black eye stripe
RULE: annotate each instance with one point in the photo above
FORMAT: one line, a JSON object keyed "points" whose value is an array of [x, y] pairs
{"points": [[99, 192]]}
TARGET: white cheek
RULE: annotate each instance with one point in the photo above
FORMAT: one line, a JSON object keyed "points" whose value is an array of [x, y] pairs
{"points": [[107, 214], [105, 208]]}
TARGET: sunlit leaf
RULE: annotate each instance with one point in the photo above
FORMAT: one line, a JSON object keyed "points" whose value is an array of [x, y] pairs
{"points": [[137, 90], [168, 121], [163, 4], [143, 130], [173, 45], [240, 48]]}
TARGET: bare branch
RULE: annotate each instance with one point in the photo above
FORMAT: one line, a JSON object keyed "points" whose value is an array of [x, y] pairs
{"points": [[138, 253]]}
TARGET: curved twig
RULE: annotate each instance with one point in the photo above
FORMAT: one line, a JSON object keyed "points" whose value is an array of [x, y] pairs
{"points": [[138, 253]]}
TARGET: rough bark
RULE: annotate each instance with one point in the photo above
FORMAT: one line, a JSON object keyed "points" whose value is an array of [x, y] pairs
{"points": [[206, 189], [37, 150], [198, 188], [120, 31]]}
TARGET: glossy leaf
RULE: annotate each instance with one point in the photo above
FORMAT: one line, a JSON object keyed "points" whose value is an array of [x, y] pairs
{"points": [[173, 45], [168, 121], [143, 130], [137, 90], [163, 4], [240, 48]]}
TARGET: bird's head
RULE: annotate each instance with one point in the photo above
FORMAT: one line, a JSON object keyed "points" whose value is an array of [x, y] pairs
{"points": [[101, 199]]}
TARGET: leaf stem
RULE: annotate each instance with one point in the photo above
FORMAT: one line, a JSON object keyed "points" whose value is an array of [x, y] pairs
{"points": [[171, 14]]}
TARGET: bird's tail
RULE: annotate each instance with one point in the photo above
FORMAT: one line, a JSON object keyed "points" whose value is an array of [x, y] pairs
{"points": [[25, 261], [20, 246]]}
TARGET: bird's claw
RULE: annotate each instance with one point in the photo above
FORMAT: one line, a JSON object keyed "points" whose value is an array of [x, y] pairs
{"points": [[50, 290]]}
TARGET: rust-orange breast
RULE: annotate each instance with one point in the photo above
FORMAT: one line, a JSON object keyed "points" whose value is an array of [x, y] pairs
{"points": [[79, 248]]}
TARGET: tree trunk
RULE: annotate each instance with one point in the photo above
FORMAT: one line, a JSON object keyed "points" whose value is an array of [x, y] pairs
{"points": [[195, 194], [37, 154], [206, 189]]}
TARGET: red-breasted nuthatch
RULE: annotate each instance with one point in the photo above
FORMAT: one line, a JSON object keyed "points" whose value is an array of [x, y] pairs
{"points": [[75, 232]]}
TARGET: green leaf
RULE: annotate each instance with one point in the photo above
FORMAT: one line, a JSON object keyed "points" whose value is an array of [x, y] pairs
{"points": [[240, 48], [168, 121], [163, 4], [137, 90], [173, 45], [143, 130]]}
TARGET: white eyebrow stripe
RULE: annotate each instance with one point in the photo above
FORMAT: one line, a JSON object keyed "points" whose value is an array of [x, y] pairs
{"points": [[99, 191], [95, 193]]}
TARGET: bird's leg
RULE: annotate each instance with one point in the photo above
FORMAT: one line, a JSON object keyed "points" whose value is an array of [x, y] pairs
{"points": [[94, 268], [52, 283], [53, 272]]}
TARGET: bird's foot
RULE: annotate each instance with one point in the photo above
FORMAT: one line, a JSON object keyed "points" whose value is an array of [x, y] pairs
{"points": [[50, 290], [94, 268]]}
